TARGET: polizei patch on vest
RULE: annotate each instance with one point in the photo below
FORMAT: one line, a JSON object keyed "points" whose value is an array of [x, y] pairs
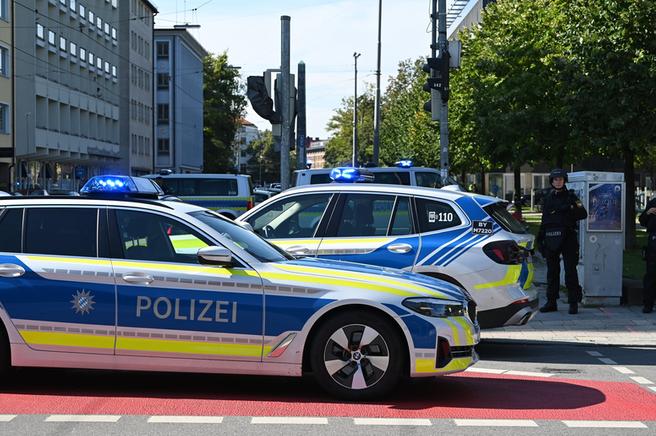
{"points": [[482, 227]]}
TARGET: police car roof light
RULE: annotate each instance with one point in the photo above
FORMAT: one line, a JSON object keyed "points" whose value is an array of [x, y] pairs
{"points": [[122, 186], [404, 163], [350, 175]]}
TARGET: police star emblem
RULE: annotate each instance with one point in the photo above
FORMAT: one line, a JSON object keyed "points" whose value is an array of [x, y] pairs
{"points": [[83, 302]]}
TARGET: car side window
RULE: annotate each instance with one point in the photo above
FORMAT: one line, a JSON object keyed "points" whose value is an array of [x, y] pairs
{"points": [[11, 230], [149, 236], [392, 177], [428, 179], [66, 231], [402, 219], [435, 215], [365, 215], [294, 217]]}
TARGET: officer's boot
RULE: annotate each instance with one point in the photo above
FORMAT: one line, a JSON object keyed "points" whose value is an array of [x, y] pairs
{"points": [[573, 308], [549, 306]]}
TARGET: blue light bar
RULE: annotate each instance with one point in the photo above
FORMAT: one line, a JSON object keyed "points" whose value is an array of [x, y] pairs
{"points": [[121, 185], [350, 175], [404, 163]]}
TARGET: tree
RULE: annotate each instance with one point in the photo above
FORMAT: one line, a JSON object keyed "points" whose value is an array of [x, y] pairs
{"points": [[224, 106], [264, 164]]}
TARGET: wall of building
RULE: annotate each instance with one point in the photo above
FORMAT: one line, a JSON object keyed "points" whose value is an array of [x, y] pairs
{"points": [[6, 85]]}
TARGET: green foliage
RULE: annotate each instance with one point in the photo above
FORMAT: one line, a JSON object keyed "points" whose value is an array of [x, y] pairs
{"points": [[224, 105], [339, 148]]}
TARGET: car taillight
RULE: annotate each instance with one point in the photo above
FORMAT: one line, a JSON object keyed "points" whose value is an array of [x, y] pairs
{"points": [[505, 252], [249, 204]]}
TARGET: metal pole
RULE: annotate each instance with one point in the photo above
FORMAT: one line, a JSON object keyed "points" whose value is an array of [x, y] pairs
{"points": [[444, 112], [354, 162], [285, 91], [302, 126], [377, 105]]}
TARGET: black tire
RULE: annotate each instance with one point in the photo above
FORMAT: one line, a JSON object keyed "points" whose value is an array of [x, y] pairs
{"points": [[365, 371]]}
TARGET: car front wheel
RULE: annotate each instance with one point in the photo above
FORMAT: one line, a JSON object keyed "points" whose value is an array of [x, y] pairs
{"points": [[357, 355]]}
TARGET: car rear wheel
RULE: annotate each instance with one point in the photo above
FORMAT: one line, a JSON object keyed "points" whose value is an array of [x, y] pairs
{"points": [[357, 355]]}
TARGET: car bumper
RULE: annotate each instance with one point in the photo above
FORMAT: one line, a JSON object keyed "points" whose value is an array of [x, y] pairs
{"points": [[517, 313]]}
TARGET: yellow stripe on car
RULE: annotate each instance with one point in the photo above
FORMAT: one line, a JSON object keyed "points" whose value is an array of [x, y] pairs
{"points": [[368, 278], [465, 328], [425, 365], [67, 339], [512, 277], [454, 330], [190, 347]]}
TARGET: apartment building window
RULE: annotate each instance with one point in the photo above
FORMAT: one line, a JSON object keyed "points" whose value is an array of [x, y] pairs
{"points": [[4, 118], [106, 28], [92, 18], [147, 50], [99, 63], [51, 37], [147, 81], [114, 33], [163, 146], [3, 9], [72, 48], [162, 113], [40, 31], [63, 2], [91, 59], [114, 3], [62, 43], [133, 40], [107, 67], [162, 81], [4, 61], [162, 50], [72, 5], [83, 54], [133, 74], [99, 23], [114, 71], [82, 11]]}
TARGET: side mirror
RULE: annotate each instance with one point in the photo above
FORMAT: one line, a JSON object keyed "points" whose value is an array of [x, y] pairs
{"points": [[245, 225], [213, 255]]}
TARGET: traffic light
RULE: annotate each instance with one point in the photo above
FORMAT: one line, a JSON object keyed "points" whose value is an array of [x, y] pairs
{"points": [[261, 101], [437, 83]]}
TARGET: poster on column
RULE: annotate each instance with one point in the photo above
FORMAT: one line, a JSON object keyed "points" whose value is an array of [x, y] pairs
{"points": [[605, 207]]}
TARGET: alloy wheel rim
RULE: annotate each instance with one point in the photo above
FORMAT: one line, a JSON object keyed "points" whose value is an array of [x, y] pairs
{"points": [[356, 356]]}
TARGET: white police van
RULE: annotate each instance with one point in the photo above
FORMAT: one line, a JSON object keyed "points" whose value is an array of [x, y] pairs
{"points": [[117, 279], [467, 239], [228, 194]]}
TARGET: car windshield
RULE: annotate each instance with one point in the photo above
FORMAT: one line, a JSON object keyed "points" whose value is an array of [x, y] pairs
{"points": [[247, 240]]}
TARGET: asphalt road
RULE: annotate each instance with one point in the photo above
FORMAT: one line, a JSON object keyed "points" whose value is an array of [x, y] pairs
{"points": [[535, 388]]}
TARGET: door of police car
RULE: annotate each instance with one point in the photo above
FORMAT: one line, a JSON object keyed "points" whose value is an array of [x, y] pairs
{"points": [[171, 306], [374, 228], [56, 282]]}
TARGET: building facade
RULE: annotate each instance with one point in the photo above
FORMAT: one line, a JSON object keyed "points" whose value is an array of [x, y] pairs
{"points": [[137, 86], [462, 14], [66, 114], [246, 134], [316, 152], [178, 101], [6, 96]]}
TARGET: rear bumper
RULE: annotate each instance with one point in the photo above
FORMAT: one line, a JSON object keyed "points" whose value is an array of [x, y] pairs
{"points": [[513, 314]]}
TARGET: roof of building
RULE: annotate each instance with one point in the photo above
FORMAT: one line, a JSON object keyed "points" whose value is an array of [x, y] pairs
{"points": [[151, 6], [245, 122], [185, 35]]}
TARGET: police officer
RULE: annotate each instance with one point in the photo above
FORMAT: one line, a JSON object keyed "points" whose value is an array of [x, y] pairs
{"points": [[648, 220], [560, 212]]}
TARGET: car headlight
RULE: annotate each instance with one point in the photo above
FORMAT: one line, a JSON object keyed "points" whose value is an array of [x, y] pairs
{"points": [[434, 307]]}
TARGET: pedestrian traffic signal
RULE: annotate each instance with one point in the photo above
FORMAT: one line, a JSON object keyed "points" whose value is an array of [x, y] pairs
{"points": [[437, 83]]}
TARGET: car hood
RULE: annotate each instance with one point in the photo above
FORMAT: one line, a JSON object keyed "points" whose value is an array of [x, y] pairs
{"points": [[417, 283]]}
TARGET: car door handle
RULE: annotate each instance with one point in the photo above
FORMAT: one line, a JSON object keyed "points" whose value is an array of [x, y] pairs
{"points": [[11, 271], [138, 278], [399, 248], [297, 250]]}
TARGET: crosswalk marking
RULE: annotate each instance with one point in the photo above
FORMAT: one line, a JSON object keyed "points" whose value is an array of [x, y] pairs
{"points": [[623, 370], [286, 420], [642, 380], [495, 423], [604, 424], [392, 421], [83, 418], [185, 420], [7, 418]]}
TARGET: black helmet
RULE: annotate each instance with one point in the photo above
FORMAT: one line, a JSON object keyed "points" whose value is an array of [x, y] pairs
{"points": [[558, 172]]}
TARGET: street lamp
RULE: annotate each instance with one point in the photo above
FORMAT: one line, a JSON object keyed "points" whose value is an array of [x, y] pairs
{"points": [[354, 163], [377, 104]]}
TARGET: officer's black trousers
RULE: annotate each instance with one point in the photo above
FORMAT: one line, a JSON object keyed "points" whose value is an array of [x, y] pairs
{"points": [[570, 253], [649, 292]]}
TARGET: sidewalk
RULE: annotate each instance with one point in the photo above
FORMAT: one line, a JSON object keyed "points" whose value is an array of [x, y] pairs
{"points": [[617, 325]]}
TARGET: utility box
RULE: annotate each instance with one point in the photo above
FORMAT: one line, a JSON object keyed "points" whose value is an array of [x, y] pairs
{"points": [[601, 236]]}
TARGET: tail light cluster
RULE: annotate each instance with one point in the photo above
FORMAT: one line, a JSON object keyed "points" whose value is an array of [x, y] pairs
{"points": [[250, 204], [505, 252]]}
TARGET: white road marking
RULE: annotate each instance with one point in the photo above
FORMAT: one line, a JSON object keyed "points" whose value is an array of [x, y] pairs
{"points": [[604, 424], [594, 353], [485, 370], [607, 361], [185, 420], [653, 388], [301, 420], [7, 418], [642, 380], [495, 423], [392, 421], [83, 418], [623, 370], [529, 374]]}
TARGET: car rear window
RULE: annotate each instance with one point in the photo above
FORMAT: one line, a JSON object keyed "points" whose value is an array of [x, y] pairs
{"points": [[501, 216], [392, 177], [316, 179]]}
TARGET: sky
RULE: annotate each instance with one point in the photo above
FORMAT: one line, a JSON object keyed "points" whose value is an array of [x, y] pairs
{"points": [[324, 35]]}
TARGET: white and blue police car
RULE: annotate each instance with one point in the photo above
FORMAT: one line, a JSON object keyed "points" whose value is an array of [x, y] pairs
{"points": [[466, 239], [119, 279]]}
